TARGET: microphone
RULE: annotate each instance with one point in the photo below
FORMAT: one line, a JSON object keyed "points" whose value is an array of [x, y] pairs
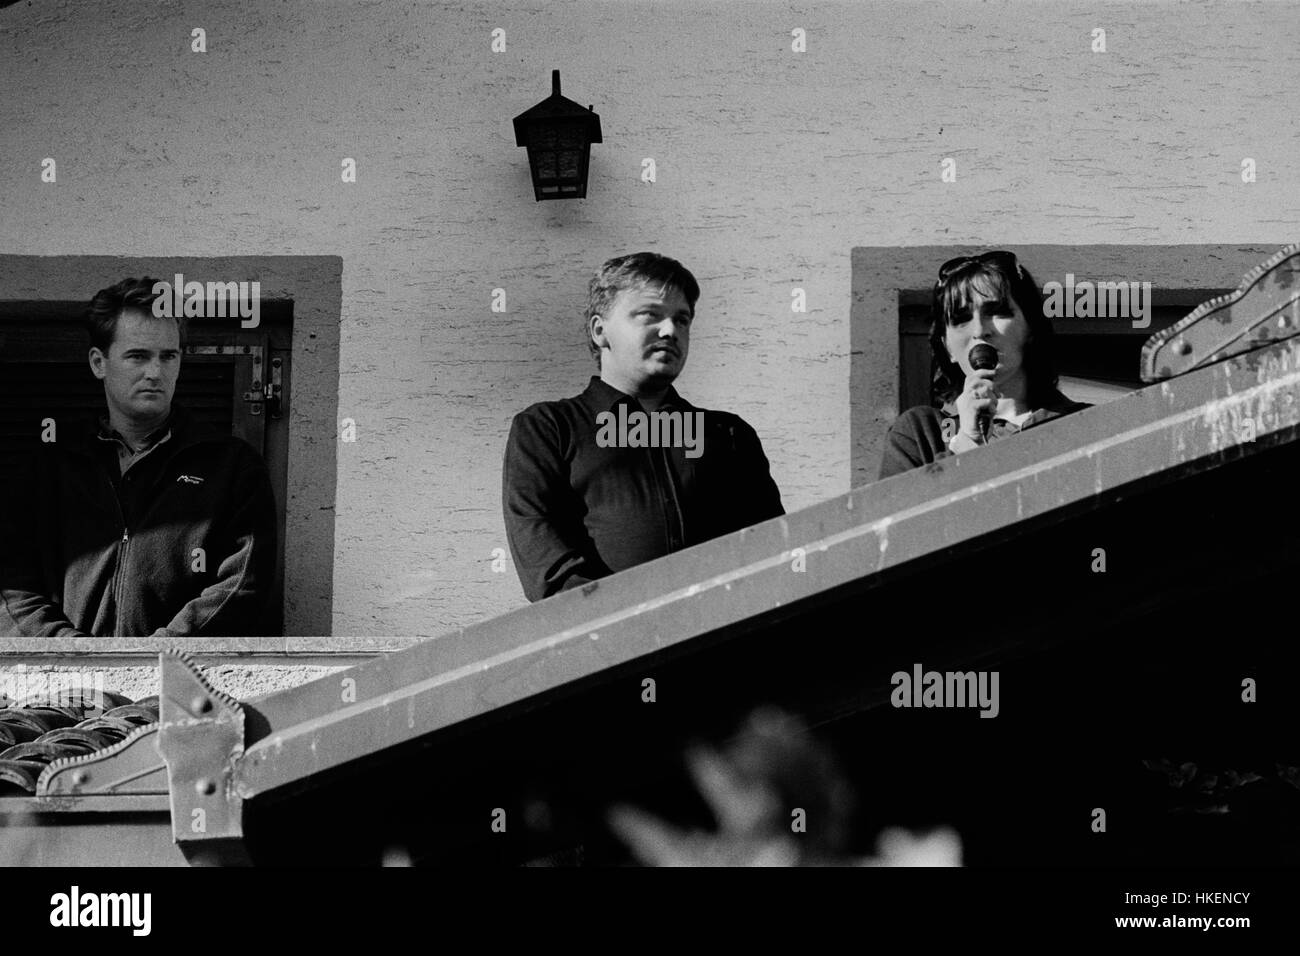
{"points": [[983, 356]]}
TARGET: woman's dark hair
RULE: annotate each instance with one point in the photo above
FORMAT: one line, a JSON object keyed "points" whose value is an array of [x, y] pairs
{"points": [[999, 277]]}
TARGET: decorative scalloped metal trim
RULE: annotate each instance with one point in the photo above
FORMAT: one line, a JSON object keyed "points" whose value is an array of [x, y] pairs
{"points": [[1161, 338], [185, 658], [98, 756], [201, 740], [71, 763]]}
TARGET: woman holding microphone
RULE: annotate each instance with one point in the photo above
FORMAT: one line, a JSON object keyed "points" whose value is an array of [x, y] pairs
{"points": [[993, 370]]}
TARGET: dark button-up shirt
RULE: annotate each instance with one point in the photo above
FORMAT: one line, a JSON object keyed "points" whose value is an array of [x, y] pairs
{"points": [[576, 511]]}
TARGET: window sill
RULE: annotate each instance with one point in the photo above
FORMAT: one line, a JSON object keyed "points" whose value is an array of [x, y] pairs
{"points": [[339, 650]]}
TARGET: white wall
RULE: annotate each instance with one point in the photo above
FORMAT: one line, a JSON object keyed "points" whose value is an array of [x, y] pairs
{"points": [[771, 166]]}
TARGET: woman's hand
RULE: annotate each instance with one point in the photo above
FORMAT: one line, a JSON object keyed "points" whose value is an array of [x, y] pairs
{"points": [[979, 397]]}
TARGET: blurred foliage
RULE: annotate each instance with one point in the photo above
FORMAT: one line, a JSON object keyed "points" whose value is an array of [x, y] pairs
{"points": [[779, 799], [1209, 790]]}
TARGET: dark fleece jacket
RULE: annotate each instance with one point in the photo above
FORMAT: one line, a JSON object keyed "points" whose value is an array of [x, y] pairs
{"points": [[183, 544], [920, 435]]}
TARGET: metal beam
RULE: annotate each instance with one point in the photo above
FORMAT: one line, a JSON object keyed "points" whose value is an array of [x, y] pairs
{"points": [[1209, 417], [1201, 420], [130, 768], [1263, 309], [201, 739]]}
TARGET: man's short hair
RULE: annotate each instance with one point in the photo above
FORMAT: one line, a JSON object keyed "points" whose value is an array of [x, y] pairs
{"points": [[107, 305], [632, 272]]}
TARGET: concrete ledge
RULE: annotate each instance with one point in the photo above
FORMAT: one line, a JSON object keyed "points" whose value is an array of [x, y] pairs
{"points": [[83, 649], [244, 667]]}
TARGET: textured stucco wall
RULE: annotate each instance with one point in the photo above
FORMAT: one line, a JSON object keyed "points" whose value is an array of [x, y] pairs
{"points": [[137, 681], [771, 166]]}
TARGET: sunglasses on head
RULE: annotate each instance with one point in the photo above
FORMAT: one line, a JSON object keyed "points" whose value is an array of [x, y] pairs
{"points": [[1006, 259]]}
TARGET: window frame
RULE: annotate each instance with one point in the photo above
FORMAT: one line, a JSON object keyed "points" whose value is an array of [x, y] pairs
{"points": [[313, 284]]}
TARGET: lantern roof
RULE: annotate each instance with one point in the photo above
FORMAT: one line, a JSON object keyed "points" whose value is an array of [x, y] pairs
{"points": [[556, 106]]}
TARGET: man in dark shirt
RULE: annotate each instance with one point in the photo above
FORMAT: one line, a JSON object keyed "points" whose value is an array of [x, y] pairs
{"points": [[140, 524], [629, 471]]}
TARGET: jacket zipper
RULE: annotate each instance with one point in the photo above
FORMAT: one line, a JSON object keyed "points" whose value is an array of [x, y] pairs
{"points": [[121, 562], [126, 534]]}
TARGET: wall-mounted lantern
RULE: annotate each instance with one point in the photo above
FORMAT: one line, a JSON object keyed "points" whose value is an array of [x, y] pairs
{"points": [[558, 134]]}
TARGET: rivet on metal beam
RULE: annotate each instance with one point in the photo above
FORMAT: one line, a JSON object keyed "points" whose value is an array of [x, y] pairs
{"points": [[201, 705], [205, 787], [1183, 347], [1283, 321], [81, 778]]}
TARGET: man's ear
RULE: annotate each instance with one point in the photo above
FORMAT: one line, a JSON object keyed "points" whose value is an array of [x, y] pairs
{"points": [[97, 363], [596, 329]]}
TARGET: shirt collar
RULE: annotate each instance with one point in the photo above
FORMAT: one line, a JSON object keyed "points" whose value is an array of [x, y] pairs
{"points": [[108, 433], [605, 397], [1058, 406]]}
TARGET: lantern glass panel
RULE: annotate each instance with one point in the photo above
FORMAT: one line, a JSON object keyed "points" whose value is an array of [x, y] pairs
{"points": [[570, 161], [558, 151], [570, 136]]}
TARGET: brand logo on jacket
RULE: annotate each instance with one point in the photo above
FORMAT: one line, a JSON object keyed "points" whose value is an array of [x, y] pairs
{"points": [[189, 480]]}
